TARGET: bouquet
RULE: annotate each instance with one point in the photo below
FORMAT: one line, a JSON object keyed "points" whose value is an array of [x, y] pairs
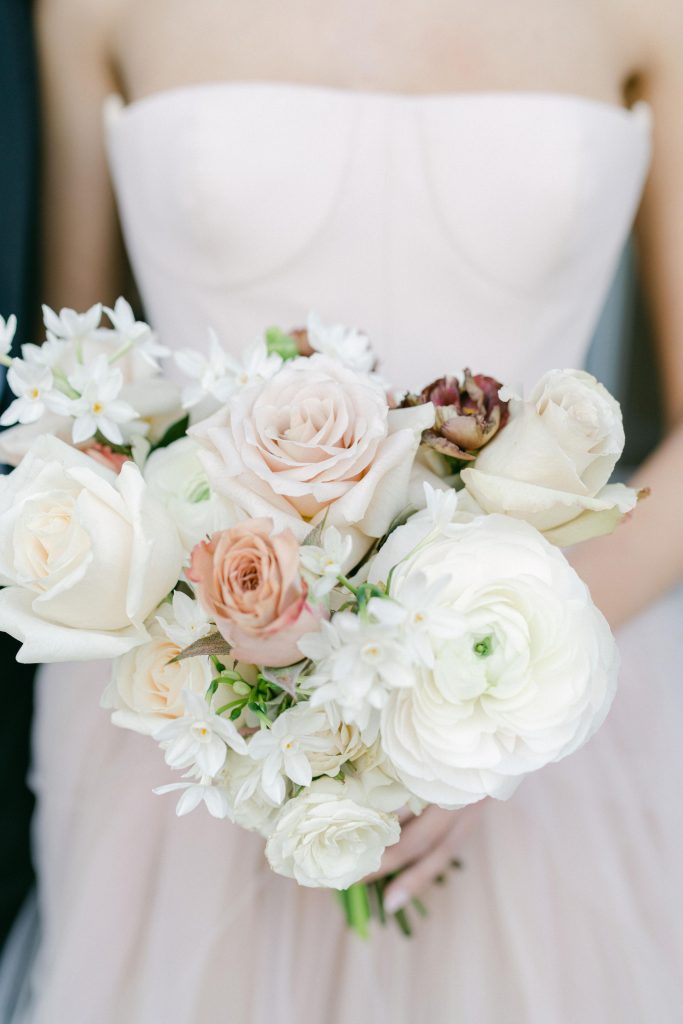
{"points": [[326, 601]]}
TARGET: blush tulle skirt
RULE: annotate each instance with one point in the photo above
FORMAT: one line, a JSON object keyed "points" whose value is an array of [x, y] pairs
{"points": [[568, 908]]}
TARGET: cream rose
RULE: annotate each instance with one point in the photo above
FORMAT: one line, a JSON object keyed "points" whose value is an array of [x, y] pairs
{"points": [[326, 838], [146, 685], [248, 581], [177, 478], [85, 555], [526, 677], [317, 440], [551, 463]]}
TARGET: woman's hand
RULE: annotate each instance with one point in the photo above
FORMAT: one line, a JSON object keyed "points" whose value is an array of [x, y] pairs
{"points": [[425, 850]]}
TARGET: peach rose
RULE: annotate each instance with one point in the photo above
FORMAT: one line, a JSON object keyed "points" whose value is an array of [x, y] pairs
{"points": [[248, 581]]}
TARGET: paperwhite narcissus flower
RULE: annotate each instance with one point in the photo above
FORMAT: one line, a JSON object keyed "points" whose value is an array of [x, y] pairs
{"points": [[186, 623], [194, 793], [327, 837], [68, 325], [526, 677], [177, 477], [322, 565], [32, 384], [418, 615], [137, 333], [98, 407], [220, 374], [357, 663], [250, 807], [200, 738], [283, 749], [8, 329], [349, 346], [551, 464], [86, 556], [146, 686]]}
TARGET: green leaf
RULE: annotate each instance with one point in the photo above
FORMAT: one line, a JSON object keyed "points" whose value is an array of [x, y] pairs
{"points": [[207, 645], [174, 432]]}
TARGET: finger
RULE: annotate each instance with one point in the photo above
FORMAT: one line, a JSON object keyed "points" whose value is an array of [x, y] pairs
{"points": [[417, 837], [404, 815], [415, 879]]}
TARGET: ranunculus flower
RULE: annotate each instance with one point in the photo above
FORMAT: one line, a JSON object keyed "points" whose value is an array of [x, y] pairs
{"points": [[327, 838], [468, 415], [146, 685], [525, 678], [248, 581], [316, 440], [551, 464], [86, 555], [178, 479]]}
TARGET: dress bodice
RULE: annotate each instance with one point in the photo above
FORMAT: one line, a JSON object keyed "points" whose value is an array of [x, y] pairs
{"points": [[480, 227]]}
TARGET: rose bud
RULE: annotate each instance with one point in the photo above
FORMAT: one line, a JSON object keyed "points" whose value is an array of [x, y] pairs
{"points": [[248, 581], [468, 415]]}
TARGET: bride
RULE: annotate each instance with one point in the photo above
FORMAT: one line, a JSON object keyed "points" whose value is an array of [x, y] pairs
{"points": [[459, 180]]}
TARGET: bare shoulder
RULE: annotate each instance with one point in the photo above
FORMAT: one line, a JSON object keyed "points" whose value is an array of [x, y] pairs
{"points": [[76, 22], [654, 33]]}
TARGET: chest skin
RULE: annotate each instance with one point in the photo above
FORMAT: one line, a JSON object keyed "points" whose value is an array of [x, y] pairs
{"points": [[404, 46]]}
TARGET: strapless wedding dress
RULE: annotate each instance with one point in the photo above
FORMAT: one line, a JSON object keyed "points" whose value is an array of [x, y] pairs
{"points": [[479, 229]]}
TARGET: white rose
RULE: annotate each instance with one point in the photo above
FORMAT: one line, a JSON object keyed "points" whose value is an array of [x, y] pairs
{"points": [[317, 440], [526, 677], [146, 689], [250, 807], [340, 742], [551, 463], [85, 555], [178, 479], [325, 838]]}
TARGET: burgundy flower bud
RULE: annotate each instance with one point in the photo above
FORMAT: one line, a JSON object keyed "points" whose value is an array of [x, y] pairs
{"points": [[468, 415]]}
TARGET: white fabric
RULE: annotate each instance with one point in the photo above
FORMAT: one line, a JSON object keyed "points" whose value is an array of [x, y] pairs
{"points": [[480, 229]]}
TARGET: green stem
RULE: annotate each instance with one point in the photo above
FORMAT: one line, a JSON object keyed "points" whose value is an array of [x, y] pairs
{"points": [[348, 584], [357, 907]]}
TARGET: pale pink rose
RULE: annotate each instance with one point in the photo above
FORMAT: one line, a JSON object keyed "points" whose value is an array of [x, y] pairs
{"points": [[316, 441], [248, 581], [103, 454]]}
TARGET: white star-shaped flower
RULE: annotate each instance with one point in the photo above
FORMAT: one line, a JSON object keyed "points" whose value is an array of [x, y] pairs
{"points": [[194, 793], [8, 329], [323, 564], [283, 747], [98, 407], [32, 384], [440, 505], [419, 616], [200, 739], [135, 333], [349, 346], [219, 374], [68, 325], [190, 621]]}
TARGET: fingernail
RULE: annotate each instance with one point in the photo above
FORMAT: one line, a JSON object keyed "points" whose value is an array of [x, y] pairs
{"points": [[395, 900]]}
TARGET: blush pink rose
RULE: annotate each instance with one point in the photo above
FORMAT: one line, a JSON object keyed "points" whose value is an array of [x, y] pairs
{"points": [[248, 581]]}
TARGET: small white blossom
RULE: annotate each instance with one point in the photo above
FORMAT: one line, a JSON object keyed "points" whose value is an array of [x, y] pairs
{"points": [[7, 331], [200, 738], [195, 793], [51, 353], [358, 663], [220, 374], [98, 407], [190, 622], [440, 505], [349, 346], [135, 333], [323, 565], [68, 325], [283, 747], [32, 384], [419, 615]]}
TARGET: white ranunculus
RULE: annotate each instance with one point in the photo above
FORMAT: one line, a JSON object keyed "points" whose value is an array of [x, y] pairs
{"points": [[526, 677], [146, 689], [551, 463], [178, 479], [86, 556], [325, 837], [315, 441]]}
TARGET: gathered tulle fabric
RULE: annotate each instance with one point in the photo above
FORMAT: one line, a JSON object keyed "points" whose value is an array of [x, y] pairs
{"points": [[482, 228]]}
